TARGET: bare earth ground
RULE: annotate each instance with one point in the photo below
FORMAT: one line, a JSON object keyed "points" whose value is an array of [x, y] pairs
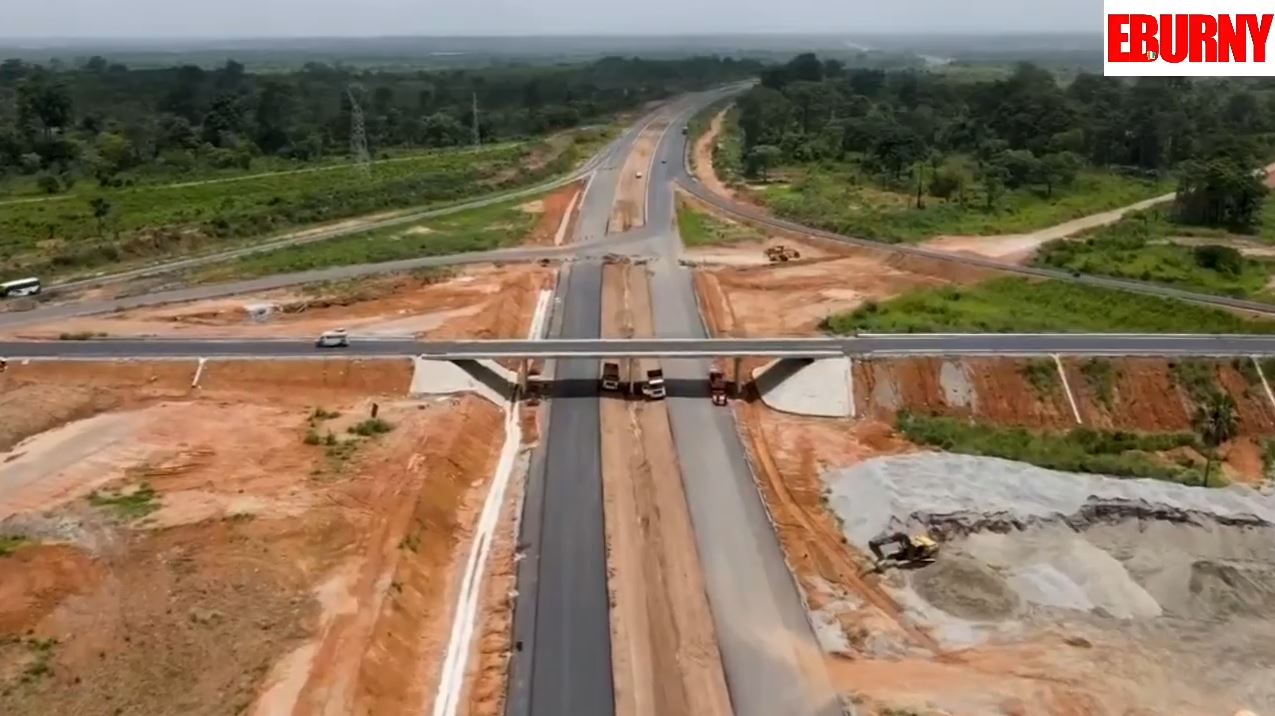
{"points": [[664, 649], [434, 304], [703, 157], [791, 299], [629, 209], [268, 574], [265, 574]]}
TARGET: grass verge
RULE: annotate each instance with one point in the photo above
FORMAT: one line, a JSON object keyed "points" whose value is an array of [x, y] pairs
{"points": [[480, 229], [1009, 305], [1104, 452], [699, 228], [1139, 247]]}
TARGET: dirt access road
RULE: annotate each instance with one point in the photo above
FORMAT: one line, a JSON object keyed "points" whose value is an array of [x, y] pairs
{"points": [[664, 649]]}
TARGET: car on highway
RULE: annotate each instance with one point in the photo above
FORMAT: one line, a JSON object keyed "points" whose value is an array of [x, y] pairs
{"points": [[639, 175], [337, 338]]}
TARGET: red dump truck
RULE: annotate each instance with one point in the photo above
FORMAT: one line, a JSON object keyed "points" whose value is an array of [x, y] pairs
{"points": [[717, 387]]}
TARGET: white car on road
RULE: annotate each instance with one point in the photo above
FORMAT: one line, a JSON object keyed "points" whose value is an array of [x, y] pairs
{"points": [[337, 338]]}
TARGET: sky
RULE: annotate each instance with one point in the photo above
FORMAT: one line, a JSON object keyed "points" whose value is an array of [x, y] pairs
{"points": [[348, 18]]}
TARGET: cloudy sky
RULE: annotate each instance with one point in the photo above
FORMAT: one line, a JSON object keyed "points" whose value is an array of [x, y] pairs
{"points": [[273, 18]]}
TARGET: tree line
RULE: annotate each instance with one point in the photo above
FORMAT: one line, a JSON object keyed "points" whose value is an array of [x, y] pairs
{"points": [[941, 134], [103, 120]]}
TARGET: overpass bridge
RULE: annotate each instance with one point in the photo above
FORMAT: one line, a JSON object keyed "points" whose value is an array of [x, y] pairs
{"points": [[861, 346]]}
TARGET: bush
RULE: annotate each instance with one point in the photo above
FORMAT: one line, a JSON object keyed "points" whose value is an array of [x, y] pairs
{"points": [[1222, 259], [371, 426], [1105, 452], [312, 437]]}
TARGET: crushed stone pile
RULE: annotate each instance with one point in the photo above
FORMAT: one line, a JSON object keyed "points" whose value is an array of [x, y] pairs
{"points": [[1019, 537], [967, 493]]}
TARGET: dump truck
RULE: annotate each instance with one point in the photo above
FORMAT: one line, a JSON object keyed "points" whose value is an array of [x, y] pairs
{"points": [[717, 387], [780, 252], [610, 376], [909, 550], [654, 387]]}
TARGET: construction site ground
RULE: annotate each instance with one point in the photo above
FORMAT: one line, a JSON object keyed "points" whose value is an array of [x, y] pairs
{"points": [[478, 301], [664, 648], [942, 639], [746, 295], [234, 547]]}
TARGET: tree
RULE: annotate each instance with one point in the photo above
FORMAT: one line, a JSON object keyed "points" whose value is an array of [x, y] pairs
{"points": [[1215, 422], [101, 209], [1022, 166], [1059, 169], [762, 158], [993, 177], [896, 148], [43, 101], [1221, 192]]}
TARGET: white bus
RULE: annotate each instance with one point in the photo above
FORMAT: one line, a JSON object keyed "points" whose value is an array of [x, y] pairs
{"points": [[21, 287]]}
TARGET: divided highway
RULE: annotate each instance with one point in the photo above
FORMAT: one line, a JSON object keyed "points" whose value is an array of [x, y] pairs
{"points": [[562, 661]]}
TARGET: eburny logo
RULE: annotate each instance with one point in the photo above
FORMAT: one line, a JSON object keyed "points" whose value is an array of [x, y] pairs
{"points": [[1187, 38]]}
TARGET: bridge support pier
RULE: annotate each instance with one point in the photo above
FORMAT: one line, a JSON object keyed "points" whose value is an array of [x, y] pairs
{"points": [[739, 381]]}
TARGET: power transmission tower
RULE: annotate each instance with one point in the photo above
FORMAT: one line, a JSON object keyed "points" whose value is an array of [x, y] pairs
{"points": [[478, 140], [358, 135]]}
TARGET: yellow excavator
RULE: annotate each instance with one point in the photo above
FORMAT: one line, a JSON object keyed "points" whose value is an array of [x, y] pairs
{"points": [[913, 550]]}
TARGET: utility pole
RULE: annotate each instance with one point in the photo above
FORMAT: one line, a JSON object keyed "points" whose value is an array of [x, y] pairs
{"points": [[358, 135], [478, 140]]}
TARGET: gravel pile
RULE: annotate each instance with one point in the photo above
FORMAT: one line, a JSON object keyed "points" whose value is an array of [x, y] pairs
{"points": [[1021, 538]]}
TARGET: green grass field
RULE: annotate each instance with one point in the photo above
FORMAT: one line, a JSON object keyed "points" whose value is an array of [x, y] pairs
{"points": [[484, 228], [62, 236], [1105, 452], [699, 228], [1138, 247], [837, 198], [1008, 305]]}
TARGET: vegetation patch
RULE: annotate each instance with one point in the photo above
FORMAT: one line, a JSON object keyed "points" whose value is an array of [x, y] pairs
{"points": [[1101, 375], [127, 504], [700, 228], [1140, 248], [1012, 305], [12, 543], [1105, 452], [370, 427], [1197, 377], [478, 229], [1042, 374]]}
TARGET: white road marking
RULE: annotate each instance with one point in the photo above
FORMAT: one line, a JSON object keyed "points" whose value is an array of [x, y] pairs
{"points": [[1067, 389], [452, 681]]}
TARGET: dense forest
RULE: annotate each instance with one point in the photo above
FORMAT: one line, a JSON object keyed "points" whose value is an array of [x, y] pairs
{"points": [[104, 121], [941, 135]]}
